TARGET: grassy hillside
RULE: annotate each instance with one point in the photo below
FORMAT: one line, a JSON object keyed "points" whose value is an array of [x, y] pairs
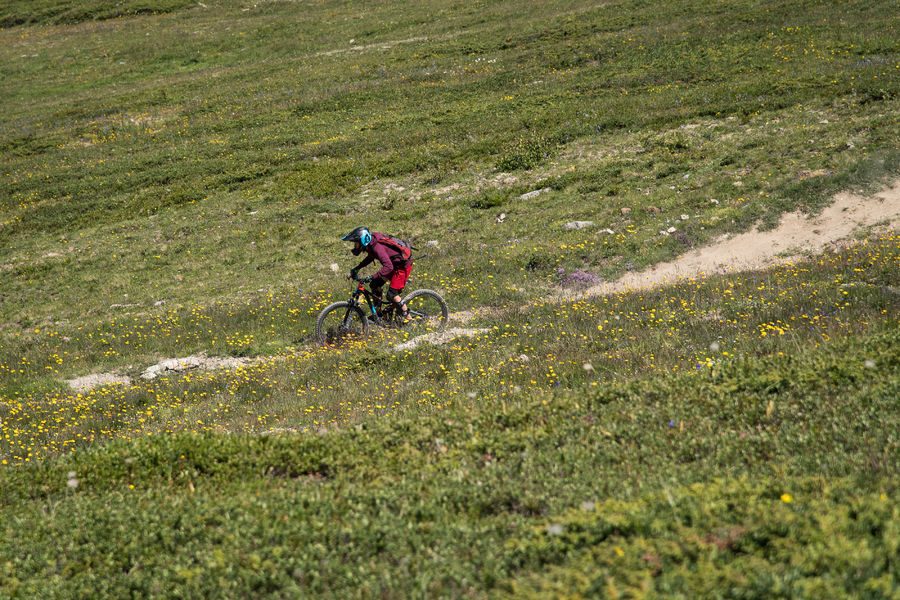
{"points": [[175, 178]]}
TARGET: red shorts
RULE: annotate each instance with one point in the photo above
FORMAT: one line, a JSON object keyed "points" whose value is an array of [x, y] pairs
{"points": [[400, 276]]}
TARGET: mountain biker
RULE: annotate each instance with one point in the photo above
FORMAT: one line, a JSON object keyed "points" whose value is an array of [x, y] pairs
{"points": [[396, 264]]}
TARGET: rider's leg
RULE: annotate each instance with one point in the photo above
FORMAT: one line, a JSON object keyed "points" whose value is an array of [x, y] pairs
{"points": [[398, 281], [397, 299]]}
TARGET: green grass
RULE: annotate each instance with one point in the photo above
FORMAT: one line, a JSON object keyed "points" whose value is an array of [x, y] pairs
{"points": [[174, 179], [460, 501], [140, 162]]}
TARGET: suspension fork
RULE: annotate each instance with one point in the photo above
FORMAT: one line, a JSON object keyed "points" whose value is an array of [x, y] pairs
{"points": [[354, 302], [369, 301]]}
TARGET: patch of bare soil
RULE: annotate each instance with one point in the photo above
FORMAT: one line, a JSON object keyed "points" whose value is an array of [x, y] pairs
{"points": [[378, 46], [89, 382], [188, 363], [170, 366], [439, 337], [796, 235]]}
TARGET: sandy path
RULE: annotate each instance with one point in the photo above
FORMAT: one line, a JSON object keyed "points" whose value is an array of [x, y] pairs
{"points": [[795, 235], [439, 338]]}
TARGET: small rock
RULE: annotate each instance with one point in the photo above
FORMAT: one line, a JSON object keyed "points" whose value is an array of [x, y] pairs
{"points": [[713, 201], [555, 529], [573, 225], [671, 230], [625, 211], [681, 237], [811, 174], [609, 231], [431, 244], [653, 210], [684, 217], [524, 358], [335, 267], [533, 194], [501, 217], [159, 303]]}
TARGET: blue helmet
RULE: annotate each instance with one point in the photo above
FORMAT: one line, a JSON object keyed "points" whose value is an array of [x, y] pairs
{"points": [[361, 235]]}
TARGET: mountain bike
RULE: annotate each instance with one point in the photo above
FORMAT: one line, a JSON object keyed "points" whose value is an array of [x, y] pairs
{"points": [[350, 320]]}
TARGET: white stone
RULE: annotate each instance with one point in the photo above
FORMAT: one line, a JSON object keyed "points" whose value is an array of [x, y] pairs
{"points": [[573, 225], [534, 194]]}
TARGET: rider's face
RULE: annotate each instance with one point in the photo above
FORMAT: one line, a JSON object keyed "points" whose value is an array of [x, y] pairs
{"points": [[357, 246]]}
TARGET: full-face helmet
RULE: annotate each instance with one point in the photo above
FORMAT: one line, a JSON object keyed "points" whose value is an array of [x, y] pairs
{"points": [[361, 237]]}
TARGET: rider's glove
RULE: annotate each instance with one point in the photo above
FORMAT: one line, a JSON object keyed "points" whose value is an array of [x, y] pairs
{"points": [[353, 273]]}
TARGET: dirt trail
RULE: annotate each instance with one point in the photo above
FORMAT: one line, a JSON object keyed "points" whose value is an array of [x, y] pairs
{"points": [[795, 235], [440, 337]]}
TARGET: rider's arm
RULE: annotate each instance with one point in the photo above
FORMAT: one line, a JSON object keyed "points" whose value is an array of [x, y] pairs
{"points": [[365, 262], [384, 257]]}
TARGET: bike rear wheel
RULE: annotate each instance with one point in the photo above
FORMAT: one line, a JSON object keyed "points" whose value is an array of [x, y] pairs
{"points": [[428, 312], [340, 323]]}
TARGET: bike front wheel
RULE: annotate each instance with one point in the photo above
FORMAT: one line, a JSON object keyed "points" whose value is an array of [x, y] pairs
{"points": [[340, 323], [428, 312]]}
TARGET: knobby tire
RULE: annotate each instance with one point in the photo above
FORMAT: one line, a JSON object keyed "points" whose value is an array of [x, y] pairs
{"points": [[355, 315]]}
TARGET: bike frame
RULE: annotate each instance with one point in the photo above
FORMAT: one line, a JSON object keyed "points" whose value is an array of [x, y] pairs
{"points": [[362, 290]]}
